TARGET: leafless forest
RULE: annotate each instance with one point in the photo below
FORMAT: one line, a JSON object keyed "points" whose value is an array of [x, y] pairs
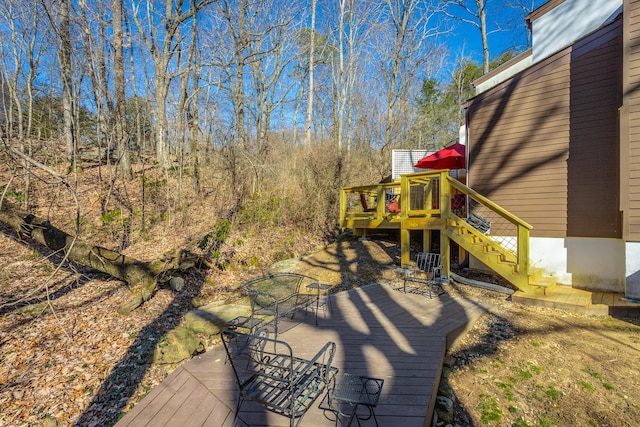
{"points": [[271, 103], [224, 128]]}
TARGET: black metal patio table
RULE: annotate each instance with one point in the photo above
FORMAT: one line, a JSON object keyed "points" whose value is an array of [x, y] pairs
{"points": [[354, 391]]}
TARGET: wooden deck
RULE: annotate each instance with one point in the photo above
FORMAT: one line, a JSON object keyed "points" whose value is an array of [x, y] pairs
{"points": [[379, 332], [581, 301]]}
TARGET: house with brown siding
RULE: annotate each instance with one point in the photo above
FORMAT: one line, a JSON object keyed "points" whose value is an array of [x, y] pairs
{"points": [[553, 136]]}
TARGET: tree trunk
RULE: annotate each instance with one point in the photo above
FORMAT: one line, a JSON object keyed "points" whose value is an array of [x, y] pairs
{"points": [[67, 91], [307, 125], [120, 116], [142, 277]]}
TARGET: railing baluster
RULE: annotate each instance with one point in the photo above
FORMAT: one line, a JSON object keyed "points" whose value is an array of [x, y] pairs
{"points": [[428, 195]]}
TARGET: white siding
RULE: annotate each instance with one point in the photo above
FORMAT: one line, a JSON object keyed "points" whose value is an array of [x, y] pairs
{"points": [[568, 22], [402, 161]]}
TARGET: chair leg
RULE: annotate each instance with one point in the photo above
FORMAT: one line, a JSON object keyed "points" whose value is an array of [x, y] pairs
{"points": [[240, 400]]}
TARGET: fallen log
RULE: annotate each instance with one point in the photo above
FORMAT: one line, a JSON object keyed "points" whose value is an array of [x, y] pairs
{"points": [[142, 277]]}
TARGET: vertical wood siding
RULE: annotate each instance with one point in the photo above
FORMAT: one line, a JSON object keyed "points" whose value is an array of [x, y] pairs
{"points": [[630, 123], [544, 143]]}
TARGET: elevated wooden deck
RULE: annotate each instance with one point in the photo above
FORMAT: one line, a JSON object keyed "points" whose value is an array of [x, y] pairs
{"points": [[379, 332]]}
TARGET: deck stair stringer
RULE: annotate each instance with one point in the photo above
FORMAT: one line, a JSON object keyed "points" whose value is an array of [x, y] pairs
{"points": [[504, 262]]}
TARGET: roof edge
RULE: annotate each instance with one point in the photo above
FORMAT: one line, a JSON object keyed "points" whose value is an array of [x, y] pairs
{"points": [[537, 13], [519, 57]]}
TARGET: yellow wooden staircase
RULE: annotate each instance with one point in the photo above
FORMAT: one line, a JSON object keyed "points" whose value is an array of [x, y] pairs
{"points": [[432, 201], [499, 259]]}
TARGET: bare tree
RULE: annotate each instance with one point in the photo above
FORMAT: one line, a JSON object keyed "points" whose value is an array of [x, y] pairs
{"points": [[120, 112], [160, 39], [307, 123], [356, 21], [61, 24], [474, 12], [522, 9], [405, 53], [25, 45]]}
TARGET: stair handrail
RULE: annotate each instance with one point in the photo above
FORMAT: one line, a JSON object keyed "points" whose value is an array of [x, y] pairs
{"points": [[489, 204], [523, 228]]}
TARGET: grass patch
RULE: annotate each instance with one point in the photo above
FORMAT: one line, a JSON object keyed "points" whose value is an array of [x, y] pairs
{"points": [[508, 391], [552, 393], [535, 368], [490, 411], [592, 373], [596, 375], [546, 421], [521, 423], [19, 196], [585, 385], [111, 216], [524, 374]]}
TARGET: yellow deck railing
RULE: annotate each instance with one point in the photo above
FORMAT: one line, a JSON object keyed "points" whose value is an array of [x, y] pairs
{"points": [[435, 201]]}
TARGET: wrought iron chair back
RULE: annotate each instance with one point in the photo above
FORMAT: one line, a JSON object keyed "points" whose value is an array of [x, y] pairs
{"points": [[426, 271], [267, 372]]}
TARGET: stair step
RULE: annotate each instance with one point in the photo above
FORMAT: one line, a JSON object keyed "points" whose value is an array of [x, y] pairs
{"points": [[500, 260], [543, 284]]}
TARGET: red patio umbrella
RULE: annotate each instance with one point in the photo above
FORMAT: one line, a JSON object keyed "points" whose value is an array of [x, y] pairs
{"points": [[451, 157]]}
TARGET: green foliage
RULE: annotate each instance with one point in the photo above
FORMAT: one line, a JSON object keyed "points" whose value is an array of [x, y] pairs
{"points": [[505, 56], [439, 104], [111, 216], [20, 197], [324, 51], [552, 393], [597, 376], [162, 183], [212, 242], [524, 374], [535, 368], [490, 411], [585, 385], [264, 211], [282, 255], [48, 118], [520, 423], [545, 421], [592, 373], [438, 116], [507, 388]]}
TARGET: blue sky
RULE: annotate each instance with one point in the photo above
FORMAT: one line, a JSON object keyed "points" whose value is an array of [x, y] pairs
{"points": [[507, 28]]}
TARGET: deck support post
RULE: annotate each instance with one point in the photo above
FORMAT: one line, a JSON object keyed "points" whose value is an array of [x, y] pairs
{"points": [[445, 210], [405, 236], [405, 247], [426, 240]]}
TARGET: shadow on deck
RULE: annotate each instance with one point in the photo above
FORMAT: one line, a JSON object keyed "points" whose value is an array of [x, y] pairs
{"points": [[379, 332]]}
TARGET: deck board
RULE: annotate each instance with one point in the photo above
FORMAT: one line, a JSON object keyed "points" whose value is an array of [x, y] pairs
{"points": [[378, 331]]}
